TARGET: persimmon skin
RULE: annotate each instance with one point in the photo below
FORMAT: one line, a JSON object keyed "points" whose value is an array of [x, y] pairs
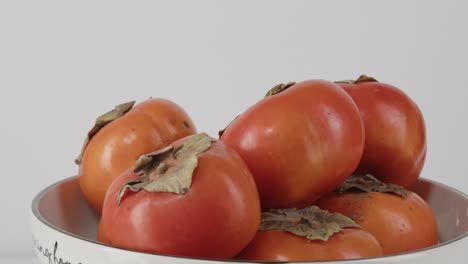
{"points": [[400, 224], [300, 143], [395, 143], [101, 236], [275, 245], [148, 126], [216, 218]]}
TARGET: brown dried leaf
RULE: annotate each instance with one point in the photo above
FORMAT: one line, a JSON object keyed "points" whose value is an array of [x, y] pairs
{"points": [[279, 88], [361, 79], [369, 183], [101, 122], [311, 222], [169, 169]]}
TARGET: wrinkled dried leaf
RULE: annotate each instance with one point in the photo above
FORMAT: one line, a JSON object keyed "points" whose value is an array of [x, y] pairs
{"points": [[169, 169], [361, 79], [101, 122], [145, 161], [369, 183], [346, 81], [365, 78], [311, 222], [279, 88]]}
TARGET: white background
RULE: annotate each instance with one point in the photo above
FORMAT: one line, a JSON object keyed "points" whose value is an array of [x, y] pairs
{"points": [[64, 62]]}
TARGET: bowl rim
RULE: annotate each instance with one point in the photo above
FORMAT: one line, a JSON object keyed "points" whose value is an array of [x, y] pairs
{"points": [[40, 218]]}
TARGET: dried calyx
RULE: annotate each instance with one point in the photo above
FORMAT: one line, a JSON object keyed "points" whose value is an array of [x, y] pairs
{"points": [[311, 222], [169, 169], [362, 79], [368, 183], [102, 121], [279, 88]]}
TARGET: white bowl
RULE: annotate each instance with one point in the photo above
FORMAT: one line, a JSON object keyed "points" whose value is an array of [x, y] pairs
{"points": [[64, 231]]}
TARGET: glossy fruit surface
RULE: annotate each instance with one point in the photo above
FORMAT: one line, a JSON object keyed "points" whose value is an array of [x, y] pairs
{"points": [[395, 142], [400, 224], [211, 212], [115, 146], [283, 246], [299, 142], [309, 234]]}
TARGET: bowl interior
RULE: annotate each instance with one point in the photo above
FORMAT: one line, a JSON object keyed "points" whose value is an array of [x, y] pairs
{"points": [[63, 207], [450, 207]]}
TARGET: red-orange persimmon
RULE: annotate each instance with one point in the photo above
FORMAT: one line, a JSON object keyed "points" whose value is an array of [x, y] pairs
{"points": [[395, 146], [195, 198], [125, 133], [299, 142]]}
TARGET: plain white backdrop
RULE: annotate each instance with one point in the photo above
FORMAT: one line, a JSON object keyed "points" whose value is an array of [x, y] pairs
{"points": [[62, 63]]}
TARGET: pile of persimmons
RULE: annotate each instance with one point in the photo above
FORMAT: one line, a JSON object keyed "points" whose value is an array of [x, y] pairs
{"points": [[315, 170]]}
